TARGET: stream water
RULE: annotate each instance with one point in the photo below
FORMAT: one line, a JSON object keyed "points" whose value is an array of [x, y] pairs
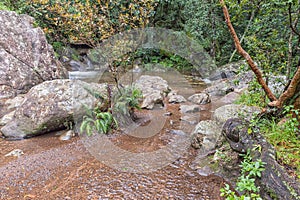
{"points": [[54, 169]]}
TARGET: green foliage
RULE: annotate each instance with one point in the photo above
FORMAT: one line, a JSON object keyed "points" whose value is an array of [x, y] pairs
{"points": [[87, 21], [3, 6], [17, 6], [267, 39], [170, 14], [162, 57], [126, 100], [246, 182], [284, 137], [97, 121], [204, 22], [254, 96]]}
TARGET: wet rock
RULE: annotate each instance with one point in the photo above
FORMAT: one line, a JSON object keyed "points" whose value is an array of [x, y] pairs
{"points": [[26, 57], [15, 152], [235, 131], [154, 90], [189, 108], [67, 135], [225, 86], [167, 114], [201, 98], [205, 135], [223, 113], [218, 88], [50, 105]]}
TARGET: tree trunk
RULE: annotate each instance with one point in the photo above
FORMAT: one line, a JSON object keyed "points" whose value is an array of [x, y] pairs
{"points": [[290, 95], [246, 56]]}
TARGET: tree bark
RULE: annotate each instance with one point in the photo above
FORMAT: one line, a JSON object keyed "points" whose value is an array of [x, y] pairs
{"points": [[246, 56], [293, 91]]}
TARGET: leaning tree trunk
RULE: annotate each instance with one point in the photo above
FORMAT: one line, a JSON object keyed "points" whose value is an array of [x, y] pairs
{"points": [[290, 94], [274, 183]]}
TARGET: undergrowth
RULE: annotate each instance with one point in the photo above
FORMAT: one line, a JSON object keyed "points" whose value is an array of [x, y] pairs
{"points": [[283, 135], [250, 171]]}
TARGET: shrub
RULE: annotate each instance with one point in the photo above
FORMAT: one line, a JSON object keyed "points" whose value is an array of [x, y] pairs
{"points": [[87, 21]]}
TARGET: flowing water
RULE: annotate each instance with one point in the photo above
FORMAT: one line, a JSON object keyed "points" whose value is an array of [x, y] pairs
{"points": [[54, 169]]}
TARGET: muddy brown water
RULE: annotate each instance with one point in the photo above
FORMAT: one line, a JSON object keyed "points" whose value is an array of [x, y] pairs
{"points": [[54, 169]]}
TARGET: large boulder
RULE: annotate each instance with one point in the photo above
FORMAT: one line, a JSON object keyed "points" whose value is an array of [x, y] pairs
{"points": [[205, 135], [26, 59], [154, 90], [51, 106], [227, 71], [223, 113], [237, 83]]}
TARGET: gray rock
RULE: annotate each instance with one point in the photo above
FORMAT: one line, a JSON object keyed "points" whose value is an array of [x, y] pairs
{"points": [[154, 90], [229, 98], [189, 108], [189, 119], [223, 113], [277, 84], [219, 88], [205, 135], [15, 152], [49, 105], [200, 98], [150, 100], [67, 135], [204, 171], [226, 71], [12, 104], [26, 59], [178, 132], [7, 118], [176, 99]]}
